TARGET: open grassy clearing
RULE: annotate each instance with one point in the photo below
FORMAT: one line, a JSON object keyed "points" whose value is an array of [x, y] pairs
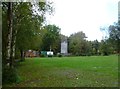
{"points": [[93, 71]]}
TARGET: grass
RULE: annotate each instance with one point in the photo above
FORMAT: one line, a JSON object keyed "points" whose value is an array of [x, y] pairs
{"points": [[93, 71]]}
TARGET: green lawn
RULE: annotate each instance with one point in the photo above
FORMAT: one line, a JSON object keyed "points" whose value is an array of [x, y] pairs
{"points": [[92, 71]]}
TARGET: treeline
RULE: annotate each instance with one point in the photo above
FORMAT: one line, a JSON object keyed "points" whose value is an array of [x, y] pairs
{"points": [[79, 46]]}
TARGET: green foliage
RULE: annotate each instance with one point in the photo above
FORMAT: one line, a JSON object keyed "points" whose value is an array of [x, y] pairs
{"points": [[78, 45], [59, 55], [42, 55], [105, 48], [114, 36], [50, 56], [9, 75], [27, 25], [51, 38], [95, 46], [17, 54], [113, 40]]}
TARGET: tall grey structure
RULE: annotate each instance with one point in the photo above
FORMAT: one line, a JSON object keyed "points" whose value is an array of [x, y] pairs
{"points": [[64, 46]]}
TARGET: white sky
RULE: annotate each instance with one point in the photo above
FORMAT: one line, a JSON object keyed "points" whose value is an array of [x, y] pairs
{"points": [[84, 15]]}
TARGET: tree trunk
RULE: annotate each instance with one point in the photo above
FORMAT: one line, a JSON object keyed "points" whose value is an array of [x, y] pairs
{"points": [[22, 55], [8, 48], [13, 46]]}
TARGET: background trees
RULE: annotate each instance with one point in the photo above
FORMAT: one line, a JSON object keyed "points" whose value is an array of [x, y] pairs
{"points": [[112, 43], [78, 45]]}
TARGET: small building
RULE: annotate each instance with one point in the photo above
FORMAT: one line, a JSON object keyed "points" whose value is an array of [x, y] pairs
{"points": [[32, 53]]}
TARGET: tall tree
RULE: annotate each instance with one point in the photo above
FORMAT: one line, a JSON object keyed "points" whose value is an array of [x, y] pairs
{"points": [[78, 44], [28, 22], [114, 36], [51, 38], [9, 34], [95, 46], [104, 47]]}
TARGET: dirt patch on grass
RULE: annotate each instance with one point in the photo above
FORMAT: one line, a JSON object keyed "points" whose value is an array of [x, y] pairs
{"points": [[70, 74]]}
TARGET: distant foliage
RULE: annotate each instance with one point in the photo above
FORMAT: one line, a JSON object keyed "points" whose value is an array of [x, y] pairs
{"points": [[59, 55]]}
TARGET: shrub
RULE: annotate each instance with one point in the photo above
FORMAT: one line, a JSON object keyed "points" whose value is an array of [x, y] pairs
{"points": [[49, 55], [42, 55], [105, 54], [9, 75], [59, 55]]}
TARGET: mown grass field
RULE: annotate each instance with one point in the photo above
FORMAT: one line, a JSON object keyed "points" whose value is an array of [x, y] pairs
{"points": [[92, 71]]}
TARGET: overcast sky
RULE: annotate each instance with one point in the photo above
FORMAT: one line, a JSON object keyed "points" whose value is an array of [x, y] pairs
{"points": [[84, 15]]}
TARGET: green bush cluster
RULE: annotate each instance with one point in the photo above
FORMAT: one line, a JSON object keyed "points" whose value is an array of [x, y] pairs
{"points": [[49, 55], [42, 55], [9, 75], [59, 55]]}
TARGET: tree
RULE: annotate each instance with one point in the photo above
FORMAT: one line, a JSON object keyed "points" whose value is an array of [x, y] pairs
{"points": [[78, 44], [25, 26], [104, 48], [51, 38], [9, 35], [9, 74], [95, 47], [114, 36], [28, 22]]}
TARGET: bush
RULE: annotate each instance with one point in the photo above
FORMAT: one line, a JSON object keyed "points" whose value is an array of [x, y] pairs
{"points": [[49, 55], [89, 54], [9, 75], [42, 55], [59, 55], [105, 54]]}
